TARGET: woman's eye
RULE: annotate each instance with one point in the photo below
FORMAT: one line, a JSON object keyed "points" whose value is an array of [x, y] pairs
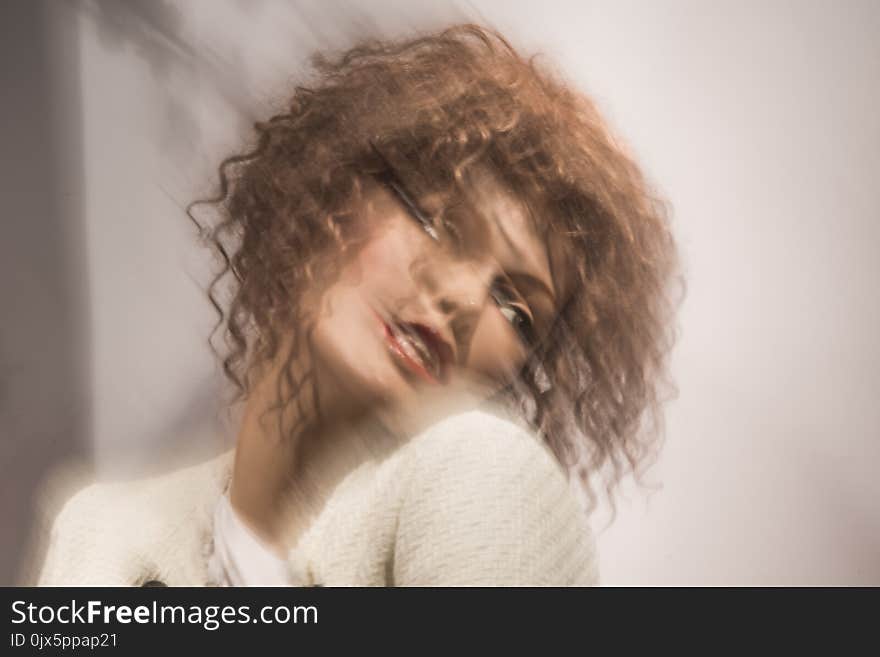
{"points": [[518, 317]]}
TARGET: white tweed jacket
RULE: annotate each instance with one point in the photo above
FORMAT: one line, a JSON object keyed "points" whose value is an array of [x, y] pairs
{"points": [[473, 500]]}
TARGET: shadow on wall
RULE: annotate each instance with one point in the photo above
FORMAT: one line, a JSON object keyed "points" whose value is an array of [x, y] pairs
{"points": [[44, 339], [162, 33]]}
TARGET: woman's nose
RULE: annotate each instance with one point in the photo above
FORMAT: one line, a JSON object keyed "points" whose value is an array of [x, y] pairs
{"points": [[459, 291]]}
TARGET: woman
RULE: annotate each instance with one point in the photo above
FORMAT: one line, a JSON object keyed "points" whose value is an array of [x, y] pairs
{"points": [[443, 296]]}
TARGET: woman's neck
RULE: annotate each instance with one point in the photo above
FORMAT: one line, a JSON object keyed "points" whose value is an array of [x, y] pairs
{"points": [[272, 490]]}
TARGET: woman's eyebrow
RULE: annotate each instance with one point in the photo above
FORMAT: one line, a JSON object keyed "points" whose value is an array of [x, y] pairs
{"points": [[528, 279]]}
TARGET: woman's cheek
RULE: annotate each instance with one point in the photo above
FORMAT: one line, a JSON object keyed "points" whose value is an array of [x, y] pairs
{"points": [[494, 352], [387, 259]]}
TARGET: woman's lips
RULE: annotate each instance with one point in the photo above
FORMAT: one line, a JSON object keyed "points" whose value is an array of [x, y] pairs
{"points": [[417, 349]]}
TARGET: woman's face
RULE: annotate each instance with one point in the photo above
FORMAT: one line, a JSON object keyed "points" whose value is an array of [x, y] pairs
{"points": [[412, 316]]}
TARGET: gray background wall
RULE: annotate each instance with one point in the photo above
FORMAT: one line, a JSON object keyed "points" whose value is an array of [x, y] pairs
{"points": [[757, 120]]}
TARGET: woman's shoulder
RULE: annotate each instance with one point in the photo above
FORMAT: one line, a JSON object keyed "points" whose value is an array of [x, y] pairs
{"points": [[84, 525], [482, 448], [140, 496], [486, 502]]}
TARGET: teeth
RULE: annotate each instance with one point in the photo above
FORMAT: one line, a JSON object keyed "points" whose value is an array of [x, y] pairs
{"points": [[415, 347]]}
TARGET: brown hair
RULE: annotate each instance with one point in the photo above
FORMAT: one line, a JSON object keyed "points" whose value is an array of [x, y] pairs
{"points": [[438, 106]]}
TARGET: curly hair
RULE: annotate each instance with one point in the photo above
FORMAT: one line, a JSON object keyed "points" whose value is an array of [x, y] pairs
{"points": [[440, 106]]}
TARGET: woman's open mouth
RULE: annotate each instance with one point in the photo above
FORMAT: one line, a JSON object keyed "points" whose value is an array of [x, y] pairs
{"points": [[418, 348]]}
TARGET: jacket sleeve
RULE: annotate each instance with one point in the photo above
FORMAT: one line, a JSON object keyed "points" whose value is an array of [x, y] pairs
{"points": [[488, 505]]}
